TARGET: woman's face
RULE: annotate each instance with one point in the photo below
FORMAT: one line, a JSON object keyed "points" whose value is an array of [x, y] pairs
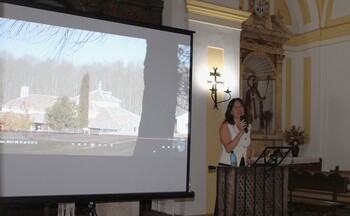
{"points": [[237, 109]]}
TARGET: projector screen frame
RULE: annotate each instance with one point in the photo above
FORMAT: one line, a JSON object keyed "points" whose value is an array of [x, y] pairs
{"points": [[119, 196]]}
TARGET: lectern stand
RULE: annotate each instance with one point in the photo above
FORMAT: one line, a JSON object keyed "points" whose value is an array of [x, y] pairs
{"points": [[255, 191]]}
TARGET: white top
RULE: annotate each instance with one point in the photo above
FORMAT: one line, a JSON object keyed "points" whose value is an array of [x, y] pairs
{"points": [[241, 148]]}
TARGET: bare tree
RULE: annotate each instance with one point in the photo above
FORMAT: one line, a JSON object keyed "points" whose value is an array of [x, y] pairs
{"points": [[60, 40]]}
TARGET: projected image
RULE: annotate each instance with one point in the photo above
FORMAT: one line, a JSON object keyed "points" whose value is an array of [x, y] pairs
{"points": [[69, 91]]}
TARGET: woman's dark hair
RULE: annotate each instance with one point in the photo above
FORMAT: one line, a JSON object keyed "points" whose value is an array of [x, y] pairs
{"points": [[228, 116]]}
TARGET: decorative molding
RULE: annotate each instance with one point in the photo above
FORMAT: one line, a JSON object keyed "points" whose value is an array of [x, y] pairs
{"points": [[334, 28], [337, 21], [320, 5], [305, 11], [320, 35], [307, 96], [288, 96], [280, 5], [216, 11], [264, 40]]}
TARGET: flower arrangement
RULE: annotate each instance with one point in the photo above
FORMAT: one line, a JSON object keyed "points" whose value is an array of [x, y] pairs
{"points": [[295, 136]]}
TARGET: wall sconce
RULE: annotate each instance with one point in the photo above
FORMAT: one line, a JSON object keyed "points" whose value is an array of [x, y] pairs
{"points": [[214, 89]]}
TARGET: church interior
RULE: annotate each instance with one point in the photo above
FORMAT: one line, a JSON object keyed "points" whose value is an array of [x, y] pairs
{"points": [[288, 61]]}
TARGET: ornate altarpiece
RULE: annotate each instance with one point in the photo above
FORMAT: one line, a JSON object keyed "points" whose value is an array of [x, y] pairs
{"points": [[261, 59]]}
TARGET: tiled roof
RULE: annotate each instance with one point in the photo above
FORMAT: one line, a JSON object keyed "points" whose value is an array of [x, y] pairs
{"points": [[104, 108], [32, 102]]}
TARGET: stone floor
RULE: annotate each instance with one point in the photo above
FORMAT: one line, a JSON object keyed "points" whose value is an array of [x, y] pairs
{"points": [[342, 212]]}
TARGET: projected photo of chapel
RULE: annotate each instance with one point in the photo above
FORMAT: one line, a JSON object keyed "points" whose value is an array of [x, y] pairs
{"points": [[68, 91]]}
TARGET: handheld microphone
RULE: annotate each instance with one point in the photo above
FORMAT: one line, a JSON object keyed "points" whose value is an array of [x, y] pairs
{"points": [[245, 119]]}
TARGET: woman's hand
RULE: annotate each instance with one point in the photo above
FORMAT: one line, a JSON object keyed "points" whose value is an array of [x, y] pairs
{"points": [[242, 124], [250, 161]]}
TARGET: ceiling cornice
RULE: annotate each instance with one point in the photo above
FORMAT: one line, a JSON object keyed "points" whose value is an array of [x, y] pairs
{"points": [[216, 11], [319, 35]]}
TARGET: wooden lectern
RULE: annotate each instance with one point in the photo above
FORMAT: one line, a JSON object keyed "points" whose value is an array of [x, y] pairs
{"points": [[255, 191]]}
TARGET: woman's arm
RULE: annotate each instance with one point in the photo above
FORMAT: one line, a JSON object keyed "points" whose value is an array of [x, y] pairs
{"points": [[226, 139]]}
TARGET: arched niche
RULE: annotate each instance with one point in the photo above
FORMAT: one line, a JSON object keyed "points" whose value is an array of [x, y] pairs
{"points": [[259, 91]]}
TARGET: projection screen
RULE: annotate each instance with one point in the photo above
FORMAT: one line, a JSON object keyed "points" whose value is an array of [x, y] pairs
{"points": [[92, 106]]}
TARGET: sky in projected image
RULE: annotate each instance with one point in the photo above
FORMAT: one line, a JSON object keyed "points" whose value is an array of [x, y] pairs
{"points": [[78, 47], [44, 74]]}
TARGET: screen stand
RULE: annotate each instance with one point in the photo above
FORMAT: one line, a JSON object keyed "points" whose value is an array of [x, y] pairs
{"points": [[91, 209], [145, 207]]}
